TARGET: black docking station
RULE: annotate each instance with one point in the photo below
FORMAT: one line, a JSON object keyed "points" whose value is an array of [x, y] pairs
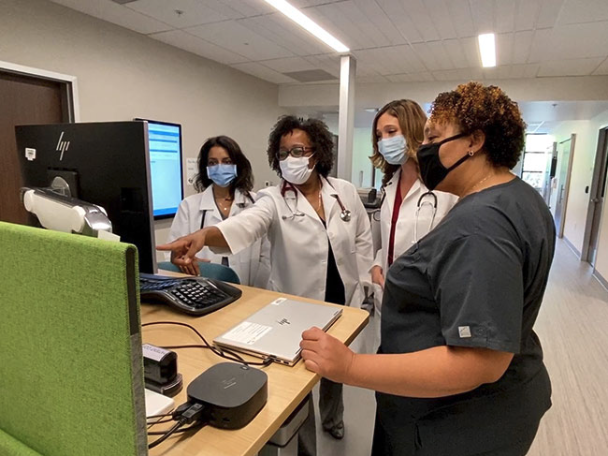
{"points": [[232, 394]]}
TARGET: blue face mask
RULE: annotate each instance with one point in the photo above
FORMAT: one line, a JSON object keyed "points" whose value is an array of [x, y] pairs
{"points": [[222, 175], [393, 149]]}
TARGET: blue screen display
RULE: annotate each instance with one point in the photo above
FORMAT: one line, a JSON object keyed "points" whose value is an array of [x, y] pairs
{"points": [[165, 167]]}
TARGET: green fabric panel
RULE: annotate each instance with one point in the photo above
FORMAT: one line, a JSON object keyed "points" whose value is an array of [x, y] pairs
{"points": [[70, 376], [13, 447]]}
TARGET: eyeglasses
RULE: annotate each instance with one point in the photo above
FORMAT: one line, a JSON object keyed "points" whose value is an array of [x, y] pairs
{"points": [[296, 152]]}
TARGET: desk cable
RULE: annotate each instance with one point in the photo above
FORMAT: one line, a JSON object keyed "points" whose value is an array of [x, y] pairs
{"points": [[223, 353], [186, 413]]}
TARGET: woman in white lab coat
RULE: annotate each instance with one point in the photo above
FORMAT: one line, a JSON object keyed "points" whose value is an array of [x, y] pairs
{"points": [[318, 230], [224, 182], [409, 211]]}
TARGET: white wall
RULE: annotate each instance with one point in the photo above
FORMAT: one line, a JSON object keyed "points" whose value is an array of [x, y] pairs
{"points": [[362, 150], [582, 175], [122, 74], [587, 133], [601, 265]]}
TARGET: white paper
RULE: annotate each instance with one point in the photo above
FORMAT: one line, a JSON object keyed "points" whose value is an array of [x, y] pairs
{"points": [[247, 333], [191, 170], [30, 154], [107, 236]]}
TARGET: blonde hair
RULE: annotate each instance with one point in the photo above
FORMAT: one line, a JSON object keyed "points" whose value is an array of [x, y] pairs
{"points": [[411, 120]]}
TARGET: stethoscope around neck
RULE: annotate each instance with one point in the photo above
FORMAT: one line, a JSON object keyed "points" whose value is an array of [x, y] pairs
{"points": [[345, 214], [428, 199]]}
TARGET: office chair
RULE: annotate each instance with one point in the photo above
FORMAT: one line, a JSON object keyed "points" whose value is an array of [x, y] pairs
{"points": [[209, 270]]}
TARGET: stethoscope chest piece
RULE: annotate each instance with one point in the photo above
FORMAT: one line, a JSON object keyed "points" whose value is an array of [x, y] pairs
{"points": [[345, 215]]}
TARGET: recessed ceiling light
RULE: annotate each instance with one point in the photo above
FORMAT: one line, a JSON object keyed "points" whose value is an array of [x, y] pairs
{"points": [[308, 24], [487, 49]]}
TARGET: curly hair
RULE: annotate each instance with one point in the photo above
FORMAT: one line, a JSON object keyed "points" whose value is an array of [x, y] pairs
{"points": [[244, 178], [474, 107], [321, 140], [411, 119]]}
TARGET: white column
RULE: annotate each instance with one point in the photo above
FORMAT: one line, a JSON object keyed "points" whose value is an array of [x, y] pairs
{"points": [[346, 117]]}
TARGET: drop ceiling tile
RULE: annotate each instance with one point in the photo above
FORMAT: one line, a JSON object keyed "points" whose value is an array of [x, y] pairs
{"points": [[178, 13], [235, 37], [443, 21], [375, 79], [541, 46], [482, 12], [415, 77], [196, 45], [117, 14], [288, 64], [458, 75], [549, 12], [248, 8], [462, 17], [504, 16], [260, 71], [401, 20], [522, 42], [376, 15], [527, 13], [574, 67], [434, 56], [279, 29], [578, 41], [581, 11], [602, 68]]}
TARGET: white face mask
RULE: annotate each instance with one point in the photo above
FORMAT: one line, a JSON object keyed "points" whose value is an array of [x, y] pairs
{"points": [[295, 170]]}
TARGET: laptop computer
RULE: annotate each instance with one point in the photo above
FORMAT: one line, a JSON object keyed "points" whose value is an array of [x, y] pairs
{"points": [[276, 330]]}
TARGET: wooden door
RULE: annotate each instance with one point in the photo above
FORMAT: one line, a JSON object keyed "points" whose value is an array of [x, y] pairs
{"points": [[24, 100]]}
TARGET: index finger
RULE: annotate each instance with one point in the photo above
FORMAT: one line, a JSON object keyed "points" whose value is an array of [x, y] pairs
{"points": [[177, 244]]}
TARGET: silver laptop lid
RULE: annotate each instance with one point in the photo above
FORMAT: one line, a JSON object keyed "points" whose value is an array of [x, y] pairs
{"points": [[276, 330]]}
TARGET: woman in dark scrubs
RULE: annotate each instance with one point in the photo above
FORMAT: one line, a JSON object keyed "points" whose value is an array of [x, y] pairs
{"points": [[460, 371]]}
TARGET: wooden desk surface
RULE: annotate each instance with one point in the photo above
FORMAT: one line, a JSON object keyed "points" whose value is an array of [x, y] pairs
{"points": [[287, 386]]}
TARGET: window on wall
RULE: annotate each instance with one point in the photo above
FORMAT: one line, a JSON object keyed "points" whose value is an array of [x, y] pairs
{"points": [[537, 156]]}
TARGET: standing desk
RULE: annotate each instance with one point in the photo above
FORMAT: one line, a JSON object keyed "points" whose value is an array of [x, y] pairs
{"points": [[287, 386]]}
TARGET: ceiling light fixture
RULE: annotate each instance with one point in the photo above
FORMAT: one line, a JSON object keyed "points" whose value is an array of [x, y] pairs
{"points": [[487, 49], [308, 24]]}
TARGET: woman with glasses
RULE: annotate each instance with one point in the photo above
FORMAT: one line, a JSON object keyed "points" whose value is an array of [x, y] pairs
{"points": [[224, 182], [319, 234]]}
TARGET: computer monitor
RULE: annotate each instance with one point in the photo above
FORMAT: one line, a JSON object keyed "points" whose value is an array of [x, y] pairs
{"points": [[165, 144], [107, 164]]}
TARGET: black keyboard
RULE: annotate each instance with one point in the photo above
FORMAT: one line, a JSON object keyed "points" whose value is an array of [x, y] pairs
{"points": [[192, 295]]}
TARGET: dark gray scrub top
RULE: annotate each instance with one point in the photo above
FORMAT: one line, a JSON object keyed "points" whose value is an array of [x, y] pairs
{"points": [[476, 280]]}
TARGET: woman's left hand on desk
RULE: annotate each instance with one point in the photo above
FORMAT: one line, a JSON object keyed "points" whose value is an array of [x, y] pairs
{"points": [[325, 355]]}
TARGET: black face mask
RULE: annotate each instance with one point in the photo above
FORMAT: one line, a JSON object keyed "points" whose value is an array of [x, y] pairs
{"points": [[432, 170]]}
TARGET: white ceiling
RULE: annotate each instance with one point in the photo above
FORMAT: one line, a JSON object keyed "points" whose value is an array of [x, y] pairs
{"points": [[392, 40]]}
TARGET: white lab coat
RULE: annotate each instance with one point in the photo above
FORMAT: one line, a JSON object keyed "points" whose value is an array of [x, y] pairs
{"points": [[404, 239], [406, 224], [252, 264], [298, 239]]}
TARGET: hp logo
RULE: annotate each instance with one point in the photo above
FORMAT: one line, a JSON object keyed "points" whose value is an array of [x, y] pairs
{"points": [[62, 146]]}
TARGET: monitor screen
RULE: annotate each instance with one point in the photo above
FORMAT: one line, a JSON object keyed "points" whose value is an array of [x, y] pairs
{"points": [[106, 164], [165, 144]]}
